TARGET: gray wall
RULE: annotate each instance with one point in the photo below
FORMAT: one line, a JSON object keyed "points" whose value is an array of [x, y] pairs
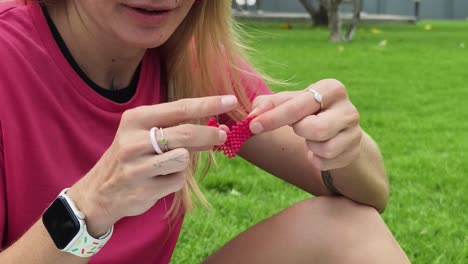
{"points": [[430, 9]]}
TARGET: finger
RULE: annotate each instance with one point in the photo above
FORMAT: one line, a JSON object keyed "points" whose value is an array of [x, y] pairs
{"points": [[265, 103], [339, 144], [193, 137], [325, 125], [286, 113], [331, 91], [224, 128], [149, 166], [170, 162], [339, 162], [299, 107], [167, 184], [173, 113]]}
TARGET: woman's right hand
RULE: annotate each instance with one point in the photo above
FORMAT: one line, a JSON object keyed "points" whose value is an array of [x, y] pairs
{"points": [[130, 177]]}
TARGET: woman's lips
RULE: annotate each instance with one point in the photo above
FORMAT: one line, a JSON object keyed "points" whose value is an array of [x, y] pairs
{"points": [[148, 15]]}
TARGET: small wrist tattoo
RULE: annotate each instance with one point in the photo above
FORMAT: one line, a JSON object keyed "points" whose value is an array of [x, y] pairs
{"points": [[328, 181]]}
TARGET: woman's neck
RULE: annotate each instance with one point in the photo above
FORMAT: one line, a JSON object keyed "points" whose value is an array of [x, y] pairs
{"points": [[99, 55]]}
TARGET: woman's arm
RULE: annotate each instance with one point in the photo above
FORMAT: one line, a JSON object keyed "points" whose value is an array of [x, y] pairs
{"points": [[285, 155], [365, 179], [130, 177], [303, 143], [36, 247]]}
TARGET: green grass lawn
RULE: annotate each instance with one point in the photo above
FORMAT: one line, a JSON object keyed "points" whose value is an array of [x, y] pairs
{"points": [[412, 94]]}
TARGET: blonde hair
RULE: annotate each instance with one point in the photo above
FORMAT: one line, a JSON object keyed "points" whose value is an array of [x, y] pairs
{"points": [[205, 57]]}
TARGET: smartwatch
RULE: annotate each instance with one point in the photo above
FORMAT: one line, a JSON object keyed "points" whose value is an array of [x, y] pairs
{"points": [[67, 228]]}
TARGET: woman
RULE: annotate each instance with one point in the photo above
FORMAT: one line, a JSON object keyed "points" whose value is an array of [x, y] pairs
{"points": [[86, 90]]}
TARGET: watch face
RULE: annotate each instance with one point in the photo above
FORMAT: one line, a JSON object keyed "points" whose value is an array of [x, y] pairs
{"points": [[61, 222]]}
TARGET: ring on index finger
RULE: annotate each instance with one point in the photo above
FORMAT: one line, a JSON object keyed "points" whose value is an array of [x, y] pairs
{"points": [[317, 97]]}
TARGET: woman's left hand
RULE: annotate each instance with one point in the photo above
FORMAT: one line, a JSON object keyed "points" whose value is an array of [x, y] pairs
{"points": [[331, 130]]}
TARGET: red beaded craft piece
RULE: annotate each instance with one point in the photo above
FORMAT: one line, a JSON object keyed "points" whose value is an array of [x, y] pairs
{"points": [[236, 137]]}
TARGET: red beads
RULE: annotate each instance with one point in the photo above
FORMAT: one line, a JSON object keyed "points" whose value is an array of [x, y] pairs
{"points": [[236, 137]]}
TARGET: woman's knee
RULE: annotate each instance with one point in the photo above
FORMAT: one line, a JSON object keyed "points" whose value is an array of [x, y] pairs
{"points": [[334, 209], [332, 220], [329, 221], [319, 230], [336, 228]]}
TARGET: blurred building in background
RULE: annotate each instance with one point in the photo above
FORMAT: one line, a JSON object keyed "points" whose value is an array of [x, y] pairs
{"points": [[429, 9]]}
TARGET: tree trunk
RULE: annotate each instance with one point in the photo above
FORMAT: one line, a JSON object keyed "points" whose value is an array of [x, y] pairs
{"points": [[334, 20], [325, 12], [357, 8], [321, 17], [318, 15]]}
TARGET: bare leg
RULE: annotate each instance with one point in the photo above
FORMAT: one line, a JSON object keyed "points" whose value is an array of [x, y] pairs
{"points": [[319, 230]]}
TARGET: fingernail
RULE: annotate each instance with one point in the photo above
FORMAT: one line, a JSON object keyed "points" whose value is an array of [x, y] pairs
{"points": [[224, 128], [229, 100], [254, 112], [222, 136], [256, 127]]}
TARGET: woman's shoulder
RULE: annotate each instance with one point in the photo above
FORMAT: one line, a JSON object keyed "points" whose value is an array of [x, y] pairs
{"points": [[18, 33], [13, 11], [16, 22], [18, 42], [5, 6]]}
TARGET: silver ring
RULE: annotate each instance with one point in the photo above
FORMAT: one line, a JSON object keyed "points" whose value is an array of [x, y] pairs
{"points": [[153, 140], [163, 140], [317, 97]]}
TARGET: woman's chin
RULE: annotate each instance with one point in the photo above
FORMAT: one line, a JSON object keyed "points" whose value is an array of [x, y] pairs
{"points": [[146, 44], [142, 39]]}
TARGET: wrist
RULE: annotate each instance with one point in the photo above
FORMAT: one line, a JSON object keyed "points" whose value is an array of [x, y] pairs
{"points": [[67, 227], [364, 180], [97, 220], [327, 180]]}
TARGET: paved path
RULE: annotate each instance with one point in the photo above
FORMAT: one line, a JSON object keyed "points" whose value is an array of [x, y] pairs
{"points": [[305, 18]]}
